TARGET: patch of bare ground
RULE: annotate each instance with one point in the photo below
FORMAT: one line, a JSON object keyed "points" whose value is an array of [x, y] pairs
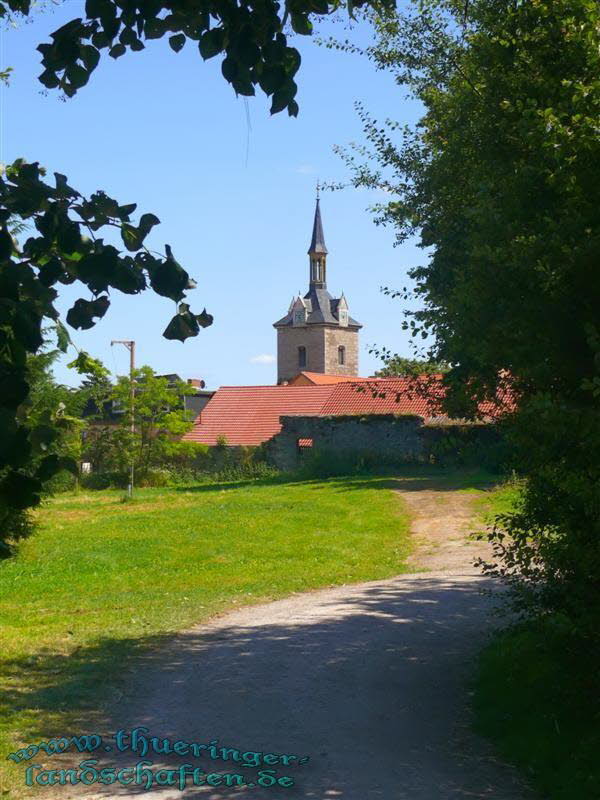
{"points": [[442, 525]]}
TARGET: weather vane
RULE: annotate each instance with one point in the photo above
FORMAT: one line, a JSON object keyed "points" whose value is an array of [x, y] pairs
{"points": [[318, 189]]}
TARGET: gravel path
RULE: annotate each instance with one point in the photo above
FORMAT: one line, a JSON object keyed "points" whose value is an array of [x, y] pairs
{"points": [[369, 681]]}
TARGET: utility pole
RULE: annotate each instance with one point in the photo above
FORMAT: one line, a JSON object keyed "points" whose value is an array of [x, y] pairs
{"points": [[130, 345]]}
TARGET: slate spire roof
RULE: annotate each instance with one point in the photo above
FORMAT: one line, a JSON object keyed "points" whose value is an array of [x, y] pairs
{"points": [[317, 243], [321, 307]]}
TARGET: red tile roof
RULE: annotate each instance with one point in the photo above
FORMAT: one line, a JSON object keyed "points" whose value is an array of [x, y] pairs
{"points": [[249, 415], [384, 396], [321, 379]]}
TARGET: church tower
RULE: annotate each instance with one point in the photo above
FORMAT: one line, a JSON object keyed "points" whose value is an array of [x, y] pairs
{"points": [[317, 334]]}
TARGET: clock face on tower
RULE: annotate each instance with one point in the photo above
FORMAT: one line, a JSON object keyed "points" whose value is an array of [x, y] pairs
{"points": [[299, 317]]}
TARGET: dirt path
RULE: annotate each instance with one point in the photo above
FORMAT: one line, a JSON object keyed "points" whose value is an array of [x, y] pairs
{"points": [[442, 524], [369, 681]]}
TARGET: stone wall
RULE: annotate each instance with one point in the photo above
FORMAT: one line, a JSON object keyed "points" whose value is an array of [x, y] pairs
{"points": [[390, 437], [385, 439]]}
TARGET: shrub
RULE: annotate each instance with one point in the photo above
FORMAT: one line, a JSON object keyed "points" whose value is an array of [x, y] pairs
{"points": [[105, 480], [61, 482], [154, 477], [14, 525], [483, 446], [325, 463]]}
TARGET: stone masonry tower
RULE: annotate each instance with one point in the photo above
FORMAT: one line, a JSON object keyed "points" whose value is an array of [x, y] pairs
{"points": [[317, 334]]}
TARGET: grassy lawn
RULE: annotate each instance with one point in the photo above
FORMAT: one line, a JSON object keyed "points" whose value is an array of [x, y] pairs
{"points": [[537, 699], [102, 580]]}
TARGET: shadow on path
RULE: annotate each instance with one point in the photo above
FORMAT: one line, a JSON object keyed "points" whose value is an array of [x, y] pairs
{"points": [[370, 681]]}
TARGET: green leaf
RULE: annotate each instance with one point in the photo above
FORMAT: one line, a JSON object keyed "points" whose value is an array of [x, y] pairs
{"points": [[117, 50], [131, 237], [229, 68], [63, 340], [90, 57], [95, 8], [212, 43], [272, 78], [147, 222], [77, 76], [155, 28], [243, 87], [49, 78], [68, 237], [176, 42], [84, 364], [124, 211], [204, 319], [6, 244], [101, 39], [301, 24], [182, 327], [283, 97], [168, 278], [83, 311]]}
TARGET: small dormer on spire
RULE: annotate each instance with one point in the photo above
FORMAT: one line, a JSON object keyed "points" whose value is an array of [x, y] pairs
{"points": [[299, 311], [342, 311], [317, 251]]}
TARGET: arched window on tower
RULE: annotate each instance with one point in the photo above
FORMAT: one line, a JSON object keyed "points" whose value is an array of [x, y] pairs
{"points": [[302, 356], [341, 354]]}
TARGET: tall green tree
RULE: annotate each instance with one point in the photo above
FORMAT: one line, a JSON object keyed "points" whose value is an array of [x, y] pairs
{"points": [[159, 416], [52, 412], [499, 178], [399, 366]]}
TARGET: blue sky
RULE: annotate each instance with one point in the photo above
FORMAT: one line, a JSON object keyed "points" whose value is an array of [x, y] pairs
{"points": [[235, 200]]}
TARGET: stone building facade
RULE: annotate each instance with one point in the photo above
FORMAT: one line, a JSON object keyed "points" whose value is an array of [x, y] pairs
{"points": [[317, 334]]}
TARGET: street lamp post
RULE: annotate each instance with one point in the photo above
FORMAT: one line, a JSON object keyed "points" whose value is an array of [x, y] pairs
{"points": [[130, 345]]}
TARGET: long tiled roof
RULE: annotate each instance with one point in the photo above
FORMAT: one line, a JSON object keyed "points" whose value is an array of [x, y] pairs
{"points": [[249, 415]]}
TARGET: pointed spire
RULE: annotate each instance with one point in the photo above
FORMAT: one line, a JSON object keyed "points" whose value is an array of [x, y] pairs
{"points": [[317, 243]]}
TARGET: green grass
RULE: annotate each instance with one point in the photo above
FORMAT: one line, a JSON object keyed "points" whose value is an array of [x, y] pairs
{"points": [[535, 696], [500, 500], [103, 581], [536, 700]]}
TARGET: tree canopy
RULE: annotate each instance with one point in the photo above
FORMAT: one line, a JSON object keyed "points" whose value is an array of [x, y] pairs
{"points": [[252, 37], [499, 181]]}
